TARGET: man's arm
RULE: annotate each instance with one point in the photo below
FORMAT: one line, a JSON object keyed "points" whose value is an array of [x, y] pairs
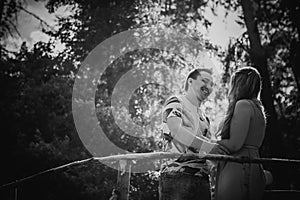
{"points": [[186, 136], [180, 124]]}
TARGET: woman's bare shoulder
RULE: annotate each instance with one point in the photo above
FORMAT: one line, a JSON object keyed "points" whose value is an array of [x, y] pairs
{"points": [[243, 105]]}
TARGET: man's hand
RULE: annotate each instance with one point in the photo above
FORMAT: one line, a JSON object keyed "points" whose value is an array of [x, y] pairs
{"points": [[219, 149]]}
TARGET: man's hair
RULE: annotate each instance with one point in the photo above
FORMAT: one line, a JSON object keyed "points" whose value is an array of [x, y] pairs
{"points": [[194, 74]]}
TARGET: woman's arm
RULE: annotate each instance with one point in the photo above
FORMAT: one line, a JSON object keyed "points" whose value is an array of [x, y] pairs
{"points": [[239, 126]]}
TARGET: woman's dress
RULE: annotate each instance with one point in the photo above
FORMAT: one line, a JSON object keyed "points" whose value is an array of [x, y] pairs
{"points": [[236, 181]]}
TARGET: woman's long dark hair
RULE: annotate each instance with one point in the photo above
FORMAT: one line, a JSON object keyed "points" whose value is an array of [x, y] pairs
{"points": [[245, 84]]}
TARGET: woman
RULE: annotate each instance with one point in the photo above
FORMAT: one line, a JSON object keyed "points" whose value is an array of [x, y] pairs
{"points": [[242, 134]]}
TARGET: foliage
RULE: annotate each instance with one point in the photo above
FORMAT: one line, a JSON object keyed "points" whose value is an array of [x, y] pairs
{"points": [[36, 111]]}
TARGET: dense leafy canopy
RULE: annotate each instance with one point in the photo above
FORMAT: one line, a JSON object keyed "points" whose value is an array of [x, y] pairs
{"points": [[36, 85]]}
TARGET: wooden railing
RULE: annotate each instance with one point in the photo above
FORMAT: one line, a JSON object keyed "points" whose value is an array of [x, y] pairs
{"points": [[125, 178]]}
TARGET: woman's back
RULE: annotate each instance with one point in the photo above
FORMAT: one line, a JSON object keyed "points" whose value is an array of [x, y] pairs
{"points": [[247, 180], [257, 126]]}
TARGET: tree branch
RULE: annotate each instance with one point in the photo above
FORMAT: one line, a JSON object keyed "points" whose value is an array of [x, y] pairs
{"points": [[15, 28], [37, 17]]}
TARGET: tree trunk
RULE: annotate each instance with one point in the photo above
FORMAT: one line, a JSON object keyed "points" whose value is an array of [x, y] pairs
{"points": [[273, 142], [295, 45], [1, 9], [295, 61]]}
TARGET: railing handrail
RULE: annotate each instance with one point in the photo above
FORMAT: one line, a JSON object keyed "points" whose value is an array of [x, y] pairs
{"points": [[152, 156]]}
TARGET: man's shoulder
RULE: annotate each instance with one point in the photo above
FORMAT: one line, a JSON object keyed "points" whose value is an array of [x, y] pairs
{"points": [[173, 99]]}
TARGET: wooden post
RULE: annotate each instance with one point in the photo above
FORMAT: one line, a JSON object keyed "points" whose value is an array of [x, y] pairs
{"points": [[123, 182]]}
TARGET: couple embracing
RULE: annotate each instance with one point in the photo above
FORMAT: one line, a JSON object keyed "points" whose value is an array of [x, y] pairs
{"points": [[186, 130]]}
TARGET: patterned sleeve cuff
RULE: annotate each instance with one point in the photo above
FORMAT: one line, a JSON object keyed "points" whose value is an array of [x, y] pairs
{"points": [[224, 148]]}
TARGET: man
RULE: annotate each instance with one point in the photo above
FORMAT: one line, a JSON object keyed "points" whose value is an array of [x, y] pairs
{"points": [[185, 127], [186, 130]]}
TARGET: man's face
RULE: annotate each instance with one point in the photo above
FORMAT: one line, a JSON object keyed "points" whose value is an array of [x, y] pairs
{"points": [[203, 85]]}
